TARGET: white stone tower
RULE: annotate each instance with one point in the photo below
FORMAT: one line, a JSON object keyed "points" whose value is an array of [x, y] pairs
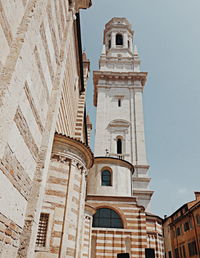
{"points": [[117, 188], [119, 85]]}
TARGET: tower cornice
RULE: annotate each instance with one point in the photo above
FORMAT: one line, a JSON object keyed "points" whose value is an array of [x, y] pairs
{"points": [[108, 75]]}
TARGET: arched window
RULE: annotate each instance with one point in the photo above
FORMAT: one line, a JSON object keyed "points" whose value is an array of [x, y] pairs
{"points": [[119, 146], [107, 218], [119, 39], [106, 178]]}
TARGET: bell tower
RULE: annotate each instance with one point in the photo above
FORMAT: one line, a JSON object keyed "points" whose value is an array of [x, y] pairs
{"points": [[118, 182], [118, 89]]}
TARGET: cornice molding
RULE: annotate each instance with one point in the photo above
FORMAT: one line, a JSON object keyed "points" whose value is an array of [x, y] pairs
{"points": [[115, 161], [64, 147], [108, 75]]}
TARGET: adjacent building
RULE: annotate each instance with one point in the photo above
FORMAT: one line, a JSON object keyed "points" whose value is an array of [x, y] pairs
{"points": [[182, 231]]}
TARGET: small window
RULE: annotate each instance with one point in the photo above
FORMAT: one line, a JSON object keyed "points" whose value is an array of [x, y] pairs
{"points": [[128, 44], [106, 178], [109, 44], [119, 39], [119, 102], [149, 253], [192, 248], [42, 230], [178, 232], [119, 146], [186, 226], [107, 218]]}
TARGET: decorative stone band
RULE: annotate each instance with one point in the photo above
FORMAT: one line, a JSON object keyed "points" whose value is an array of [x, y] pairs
{"points": [[131, 76], [66, 148]]}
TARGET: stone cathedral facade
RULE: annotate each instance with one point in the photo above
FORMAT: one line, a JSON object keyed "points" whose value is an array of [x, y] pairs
{"points": [[56, 199]]}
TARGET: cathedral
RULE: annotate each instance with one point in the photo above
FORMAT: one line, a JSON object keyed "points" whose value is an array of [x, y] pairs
{"points": [[58, 199]]}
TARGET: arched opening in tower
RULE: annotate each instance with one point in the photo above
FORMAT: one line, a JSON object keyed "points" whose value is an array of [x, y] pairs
{"points": [[119, 39], [119, 146]]}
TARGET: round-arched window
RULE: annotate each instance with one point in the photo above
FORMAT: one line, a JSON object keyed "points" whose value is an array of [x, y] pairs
{"points": [[107, 218], [119, 39], [119, 146], [106, 178]]}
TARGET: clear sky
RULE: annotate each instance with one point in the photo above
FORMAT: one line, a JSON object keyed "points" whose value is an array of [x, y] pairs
{"points": [[167, 34]]}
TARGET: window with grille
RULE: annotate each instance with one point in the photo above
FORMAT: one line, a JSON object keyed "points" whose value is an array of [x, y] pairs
{"points": [[42, 230], [107, 218]]}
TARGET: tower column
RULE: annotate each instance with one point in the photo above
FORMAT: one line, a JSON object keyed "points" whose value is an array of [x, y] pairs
{"points": [[125, 40], [139, 128], [113, 36]]}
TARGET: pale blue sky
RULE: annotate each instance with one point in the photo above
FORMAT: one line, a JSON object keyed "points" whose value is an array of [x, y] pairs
{"points": [[167, 34]]}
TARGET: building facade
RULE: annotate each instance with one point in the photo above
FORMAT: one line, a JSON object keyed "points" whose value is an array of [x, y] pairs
{"points": [[46, 165], [42, 92], [118, 181], [182, 231]]}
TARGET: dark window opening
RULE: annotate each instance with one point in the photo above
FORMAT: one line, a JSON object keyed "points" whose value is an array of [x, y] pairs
{"points": [[176, 253], [178, 231], [119, 102], [107, 218], [170, 254], [106, 178], [149, 253], [42, 230], [192, 248], [119, 39], [119, 146], [186, 226], [183, 251], [109, 44], [128, 44], [123, 255]]}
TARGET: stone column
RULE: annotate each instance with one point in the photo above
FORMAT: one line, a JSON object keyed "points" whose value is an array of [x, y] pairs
{"points": [[113, 40], [125, 40], [139, 127]]}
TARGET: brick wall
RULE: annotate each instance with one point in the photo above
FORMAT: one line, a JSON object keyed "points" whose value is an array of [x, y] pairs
{"points": [[38, 65]]}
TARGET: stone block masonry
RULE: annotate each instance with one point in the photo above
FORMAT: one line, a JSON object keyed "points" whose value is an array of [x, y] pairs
{"points": [[39, 79]]}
